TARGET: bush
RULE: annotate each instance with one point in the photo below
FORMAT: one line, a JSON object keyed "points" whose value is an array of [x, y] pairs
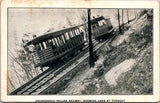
{"points": [[99, 71]]}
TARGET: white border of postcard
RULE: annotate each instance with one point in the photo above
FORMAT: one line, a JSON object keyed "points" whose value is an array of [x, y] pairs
{"points": [[80, 4]]}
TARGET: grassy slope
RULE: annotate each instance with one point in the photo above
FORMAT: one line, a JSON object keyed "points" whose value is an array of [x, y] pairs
{"points": [[137, 45]]}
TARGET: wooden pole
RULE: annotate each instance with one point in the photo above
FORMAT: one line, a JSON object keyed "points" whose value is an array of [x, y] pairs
{"points": [[91, 61], [119, 22], [122, 20], [127, 16]]}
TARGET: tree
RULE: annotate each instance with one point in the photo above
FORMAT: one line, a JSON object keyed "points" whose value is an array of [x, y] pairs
{"points": [[84, 22], [21, 59]]}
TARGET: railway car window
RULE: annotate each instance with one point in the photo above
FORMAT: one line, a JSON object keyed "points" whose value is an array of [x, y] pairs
{"points": [[44, 44], [47, 43], [99, 23], [56, 41], [59, 41], [67, 34], [63, 39], [53, 41], [104, 22], [60, 37], [50, 42], [70, 33], [74, 32], [40, 46], [77, 33], [80, 28]]}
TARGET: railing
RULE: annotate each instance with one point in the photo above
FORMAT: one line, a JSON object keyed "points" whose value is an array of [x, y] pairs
{"points": [[43, 55]]}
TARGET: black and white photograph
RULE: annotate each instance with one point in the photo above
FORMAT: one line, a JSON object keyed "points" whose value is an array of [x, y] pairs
{"points": [[93, 53], [80, 51]]}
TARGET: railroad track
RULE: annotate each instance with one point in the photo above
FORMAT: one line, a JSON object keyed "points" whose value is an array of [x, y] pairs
{"points": [[67, 71], [33, 85], [43, 82]]}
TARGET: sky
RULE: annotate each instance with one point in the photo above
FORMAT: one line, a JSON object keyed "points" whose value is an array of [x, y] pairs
{"points": [[38, 21]]}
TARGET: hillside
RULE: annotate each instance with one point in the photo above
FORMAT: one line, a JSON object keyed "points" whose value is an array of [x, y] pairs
{"points": [[124, 65]]}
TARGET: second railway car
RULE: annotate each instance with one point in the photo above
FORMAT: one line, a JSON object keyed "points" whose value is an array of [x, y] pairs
{"points": [[100, 27], [53, 46]]}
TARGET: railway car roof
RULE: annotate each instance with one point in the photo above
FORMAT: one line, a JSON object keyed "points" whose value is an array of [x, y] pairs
{"points": [[53, 34], [95, 20], [50, 34]]}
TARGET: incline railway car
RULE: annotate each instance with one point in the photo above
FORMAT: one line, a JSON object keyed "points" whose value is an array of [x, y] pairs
{"points": [[53, 46], [50, 47], [100, 27]]}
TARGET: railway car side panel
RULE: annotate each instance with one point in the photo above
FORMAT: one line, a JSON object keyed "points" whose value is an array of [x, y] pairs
{"points": [[54, 48]]}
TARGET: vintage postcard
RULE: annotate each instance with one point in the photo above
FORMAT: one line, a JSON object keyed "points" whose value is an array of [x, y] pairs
{"points": [[80, 51]]}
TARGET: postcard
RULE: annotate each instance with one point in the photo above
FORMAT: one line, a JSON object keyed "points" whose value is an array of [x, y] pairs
{"points": [[80, 51]]}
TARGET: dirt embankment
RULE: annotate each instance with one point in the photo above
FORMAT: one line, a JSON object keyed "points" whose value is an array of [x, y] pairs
{"points": [[126, 64]]}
